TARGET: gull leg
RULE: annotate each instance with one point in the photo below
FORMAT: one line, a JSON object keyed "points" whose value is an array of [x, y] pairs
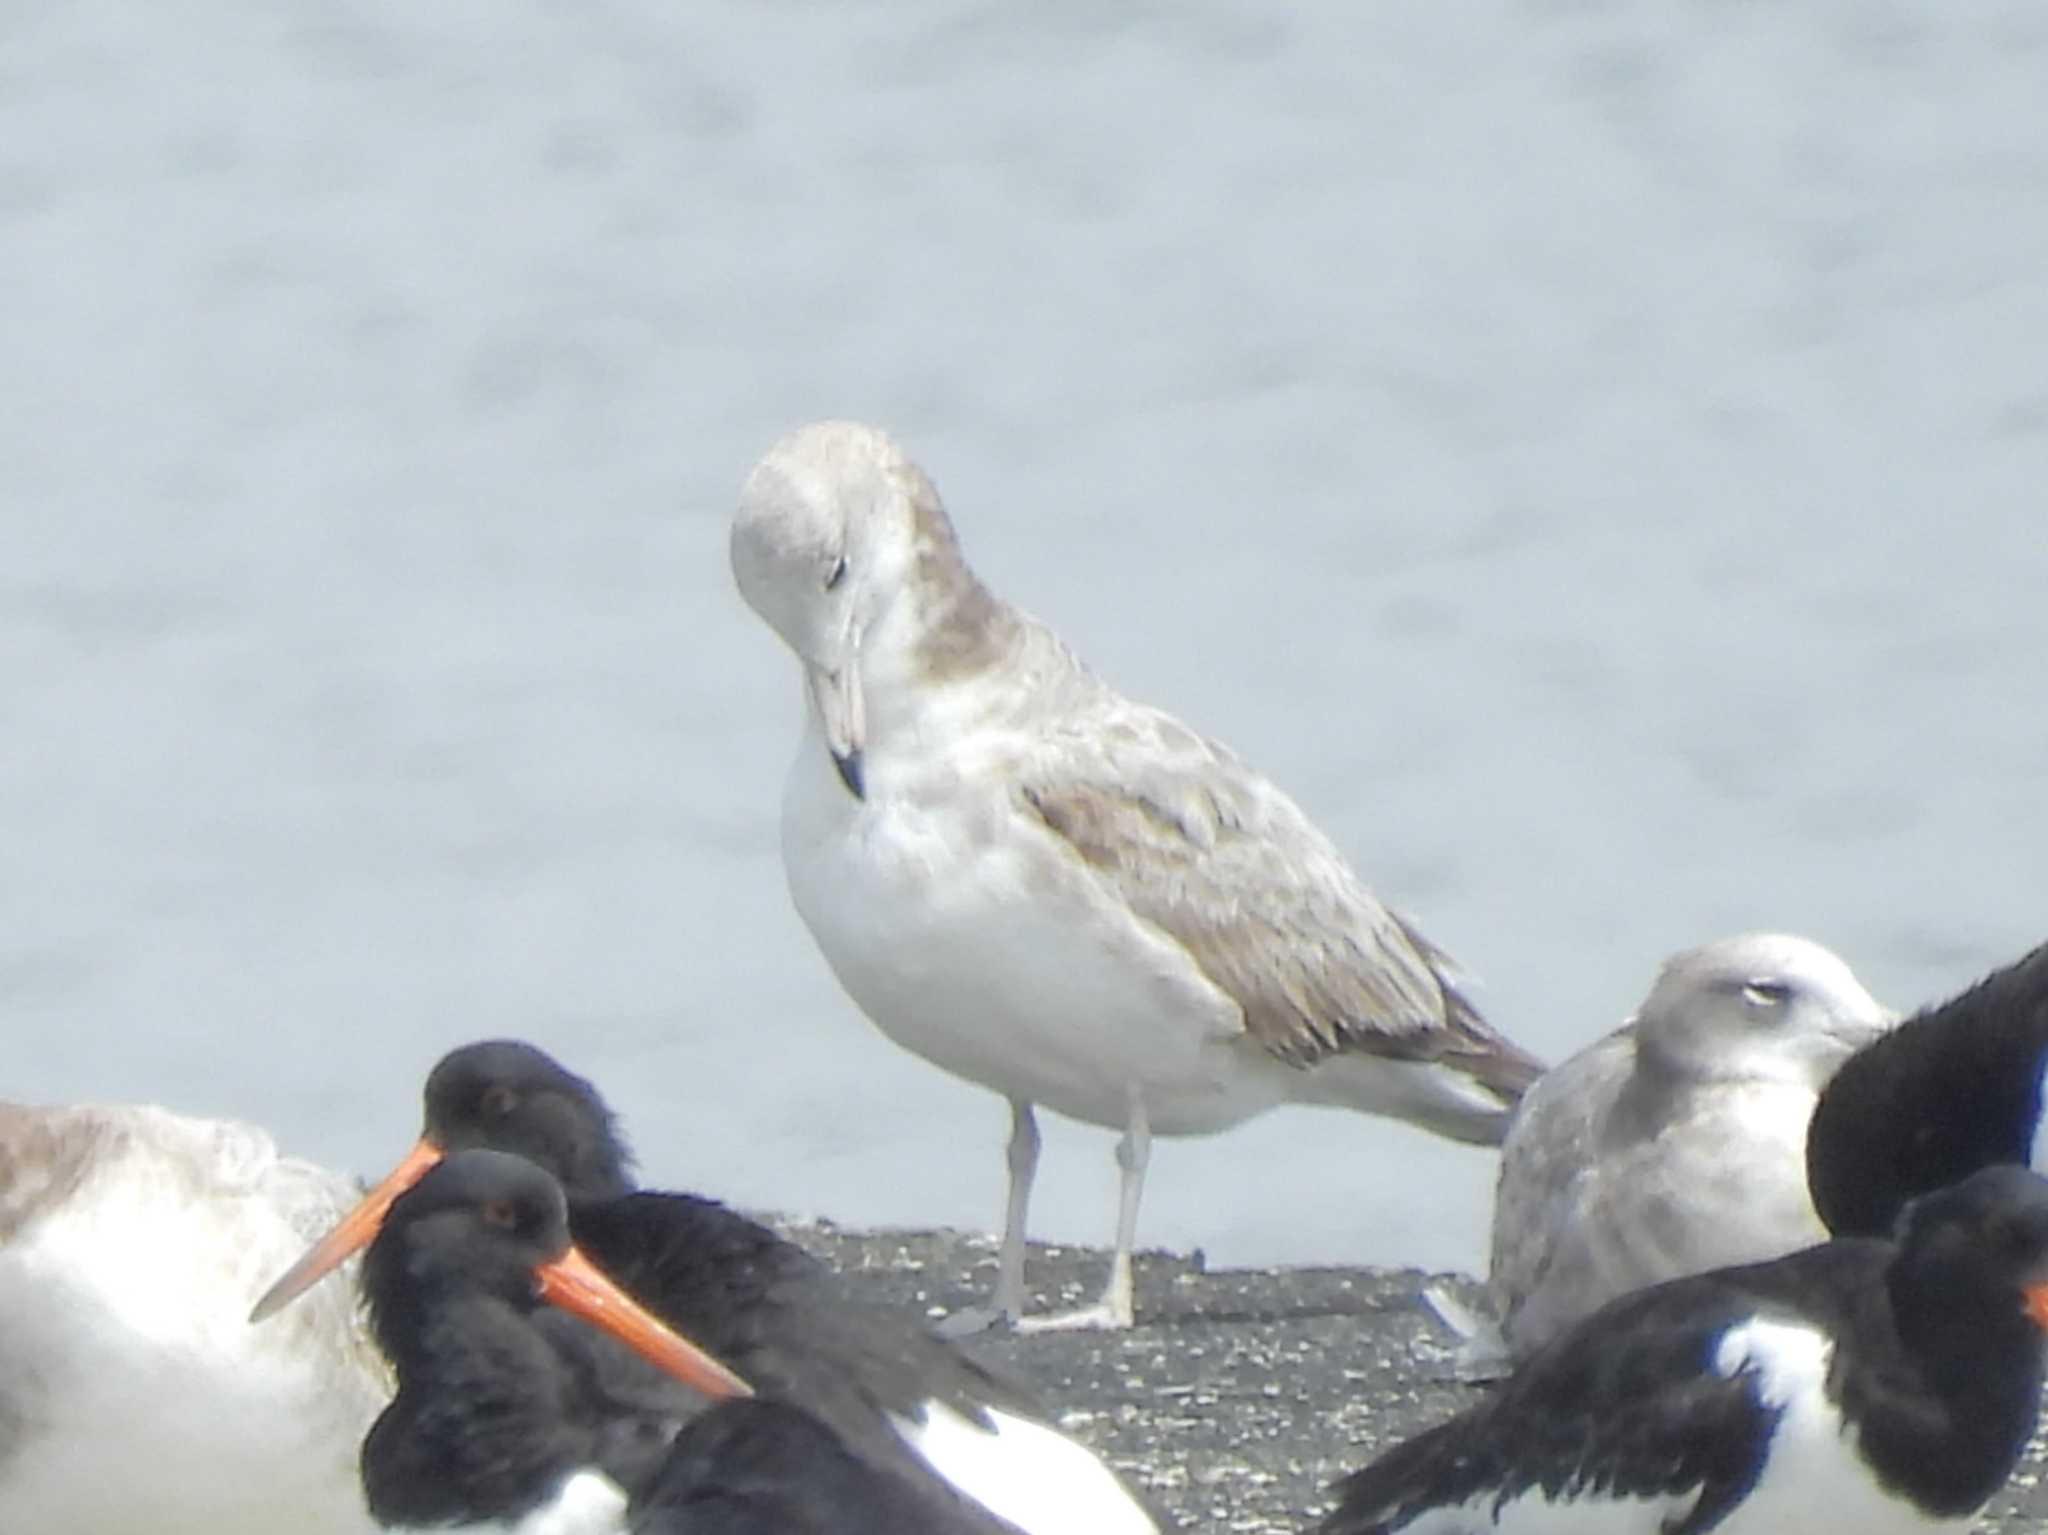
{"points": [[1022, 1157], [1133, 1156], [1117, 1308]]}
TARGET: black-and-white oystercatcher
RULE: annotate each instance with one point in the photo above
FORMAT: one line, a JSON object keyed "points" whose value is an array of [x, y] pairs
{"points": [[499, 1425], [1956, 1087], [896, 1395], [1865, 1385], [762, 1467]]}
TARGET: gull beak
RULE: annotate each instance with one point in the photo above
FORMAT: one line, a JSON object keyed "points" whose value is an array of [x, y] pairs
{"points": [[576, 1285], [835, 695], [356, 1230]]}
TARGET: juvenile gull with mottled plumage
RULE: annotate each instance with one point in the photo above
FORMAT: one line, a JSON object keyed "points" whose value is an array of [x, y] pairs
{"points": [[1677, 1143], [1056, 892]]}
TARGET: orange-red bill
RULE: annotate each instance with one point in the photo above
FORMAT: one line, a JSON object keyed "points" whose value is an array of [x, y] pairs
{"points": [[575, 1284], [2037, 1305], [356, 1230]]}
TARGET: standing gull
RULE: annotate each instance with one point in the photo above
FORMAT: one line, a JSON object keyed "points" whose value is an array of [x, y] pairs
{"points": [[1677, 1143], [1068, 897]]}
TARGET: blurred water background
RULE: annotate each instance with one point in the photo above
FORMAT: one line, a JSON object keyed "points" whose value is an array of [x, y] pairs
{"points": [[1592, 454]]}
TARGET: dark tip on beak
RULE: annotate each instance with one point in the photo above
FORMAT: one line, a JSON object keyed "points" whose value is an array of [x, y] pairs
{"points": [[850, 773]]}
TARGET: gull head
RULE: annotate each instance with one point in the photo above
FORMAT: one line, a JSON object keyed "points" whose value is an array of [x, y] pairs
{"points": [[825, 539], [1765, 1007]]}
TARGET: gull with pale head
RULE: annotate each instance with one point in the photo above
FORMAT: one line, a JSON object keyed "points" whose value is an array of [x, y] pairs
{"points": [[1046, 888], [1677, 1143], [135, 1399]]}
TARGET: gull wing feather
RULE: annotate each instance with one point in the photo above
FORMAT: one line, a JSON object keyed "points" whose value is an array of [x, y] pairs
{"points": [[1213, 855]]}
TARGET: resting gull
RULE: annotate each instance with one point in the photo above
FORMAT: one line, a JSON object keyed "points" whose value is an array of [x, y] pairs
{"points": [[1066, 896], [1677, 1143], [135, 1399]]}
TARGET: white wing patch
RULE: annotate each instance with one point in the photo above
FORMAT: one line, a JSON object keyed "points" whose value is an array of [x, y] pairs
{"points": [[587, 1503], [1815, 1482], [1033, 1476]]}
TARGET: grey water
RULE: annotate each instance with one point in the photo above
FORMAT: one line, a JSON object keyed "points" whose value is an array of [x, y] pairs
{"points": [[1592, 455]]}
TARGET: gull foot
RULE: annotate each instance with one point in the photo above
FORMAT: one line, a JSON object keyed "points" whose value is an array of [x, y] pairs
{"points": [[969, 1320], [1103, 1316]]}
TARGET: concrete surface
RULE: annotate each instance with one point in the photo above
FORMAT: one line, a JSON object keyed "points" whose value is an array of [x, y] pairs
{"points": [[1241, 1393]]}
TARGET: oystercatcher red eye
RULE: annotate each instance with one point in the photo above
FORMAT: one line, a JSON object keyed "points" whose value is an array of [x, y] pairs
{"points": [[499, 1100]]}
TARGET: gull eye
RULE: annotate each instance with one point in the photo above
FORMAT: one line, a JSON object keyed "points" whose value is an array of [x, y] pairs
{"points": [[500, 1213], [837, 573], [1765, 993]]}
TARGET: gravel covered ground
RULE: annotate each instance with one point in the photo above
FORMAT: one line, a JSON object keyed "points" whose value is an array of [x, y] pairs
{"points": [[1241, 1393]]}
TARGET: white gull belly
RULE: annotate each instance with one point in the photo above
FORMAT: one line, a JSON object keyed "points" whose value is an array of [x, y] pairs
{"points": [[967, 935]]}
